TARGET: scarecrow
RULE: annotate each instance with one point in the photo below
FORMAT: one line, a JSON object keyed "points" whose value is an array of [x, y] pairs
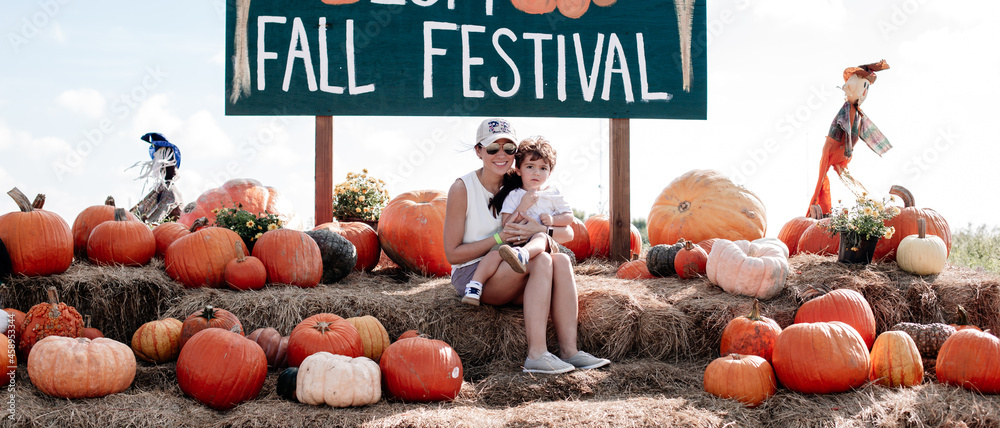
{"points": [[163, 201], [848, 126]]}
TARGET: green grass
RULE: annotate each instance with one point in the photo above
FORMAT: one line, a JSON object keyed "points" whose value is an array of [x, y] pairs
{"points": [[976, 247]]}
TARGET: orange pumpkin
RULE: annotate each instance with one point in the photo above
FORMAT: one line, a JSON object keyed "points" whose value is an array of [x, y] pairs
{"points": [[792, 231], [580, 244], [54, 318], [221, 368], [535, 7], [88, 331], [290, 257], [209, 317], [88, 219], [708, 244], [817, 239], [821, 358], [411, 230], [245, 272], [158, 341], [896, 361], [844, 305], [748, 379], [121, 241], [703, 204], [77, 367], [245, 193], [364, 238], [690, 261], [635, 269], [38, 242], [200, 258], [573, 9], [408, 334], [906, 224], [969, 359], [599, 230], [323, 332], [421, 370], [750, 335], [962, 321], [374, 338], [166, 233], [9, 356]]}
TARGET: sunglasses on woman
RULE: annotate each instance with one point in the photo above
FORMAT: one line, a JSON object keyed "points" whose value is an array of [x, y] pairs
{"points": [[509, 148]]}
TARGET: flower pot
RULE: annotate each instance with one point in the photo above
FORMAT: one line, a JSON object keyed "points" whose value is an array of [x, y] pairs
{"points": [[856, 249]]}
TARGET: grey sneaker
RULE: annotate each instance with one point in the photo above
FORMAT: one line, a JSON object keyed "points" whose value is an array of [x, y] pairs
{"points": [[583, 360], [548, 364], [517, 258]]}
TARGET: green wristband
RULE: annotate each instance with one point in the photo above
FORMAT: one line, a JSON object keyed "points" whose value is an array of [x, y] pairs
{"points": [[497, 237]]}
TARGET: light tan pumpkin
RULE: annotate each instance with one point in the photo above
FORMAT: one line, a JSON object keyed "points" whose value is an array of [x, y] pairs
{"points": [[158, 341], [756, 269], [77, 367], [922, 254], [374, 338], [338, 381], [703, 204], [896, 360]]}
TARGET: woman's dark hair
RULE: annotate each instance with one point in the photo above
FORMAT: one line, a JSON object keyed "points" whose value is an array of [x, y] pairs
{"points": [[531, 148]]}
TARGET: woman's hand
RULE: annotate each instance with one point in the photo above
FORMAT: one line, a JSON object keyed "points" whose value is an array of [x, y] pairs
{"points": [[521, 232]]}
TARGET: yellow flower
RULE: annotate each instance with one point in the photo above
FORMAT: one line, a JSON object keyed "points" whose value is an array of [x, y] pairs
{"points": [[272, 226], [890, 232], [364, 171], [215, 211], [354, 188], [367, 209], [249, 223], [361, 198], [257, 236], [357, 209], [868, 211]]}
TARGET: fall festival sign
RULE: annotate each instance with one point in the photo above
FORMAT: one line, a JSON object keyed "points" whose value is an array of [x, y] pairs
{"points": [[543, 58]]}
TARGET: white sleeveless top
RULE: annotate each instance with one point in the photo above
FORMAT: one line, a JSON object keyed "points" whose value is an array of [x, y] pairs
{"points": [[479, 221]]}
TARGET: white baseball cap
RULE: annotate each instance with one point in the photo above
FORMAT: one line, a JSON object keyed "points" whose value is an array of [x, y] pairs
{"points": [[494, 129]]}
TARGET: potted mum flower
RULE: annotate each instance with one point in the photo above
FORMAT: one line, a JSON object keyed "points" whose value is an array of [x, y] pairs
{"points": [[249, 226], [360, 198], [861, 227]]}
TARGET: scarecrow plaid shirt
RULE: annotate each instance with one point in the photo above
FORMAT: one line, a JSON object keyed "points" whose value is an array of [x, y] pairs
{"points": [[863, 128]]}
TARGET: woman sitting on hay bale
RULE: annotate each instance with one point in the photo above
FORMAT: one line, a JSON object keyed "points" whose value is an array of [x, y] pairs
{"points": [[548, 287]]}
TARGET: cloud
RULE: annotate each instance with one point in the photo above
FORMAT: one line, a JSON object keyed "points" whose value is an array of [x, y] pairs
{"points": [[87, 102]]}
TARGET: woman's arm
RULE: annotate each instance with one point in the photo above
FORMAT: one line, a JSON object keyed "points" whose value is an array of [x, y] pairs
{"points": [[521, 232], [454, 229]]}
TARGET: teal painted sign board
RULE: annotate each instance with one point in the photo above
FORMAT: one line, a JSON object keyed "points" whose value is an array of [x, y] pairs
{"points": [[630, 59]]}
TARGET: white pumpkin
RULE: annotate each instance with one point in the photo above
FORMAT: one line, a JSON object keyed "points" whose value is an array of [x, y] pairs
{"points": [[338, 381], [922, 254], [756, 269]]}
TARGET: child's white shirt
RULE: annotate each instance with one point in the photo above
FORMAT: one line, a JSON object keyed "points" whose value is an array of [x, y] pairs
{"points": [[550, 201]]}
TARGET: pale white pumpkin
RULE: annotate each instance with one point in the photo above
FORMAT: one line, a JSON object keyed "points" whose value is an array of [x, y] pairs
{"points": [[756, 269], [338, 380], [922, 254]]}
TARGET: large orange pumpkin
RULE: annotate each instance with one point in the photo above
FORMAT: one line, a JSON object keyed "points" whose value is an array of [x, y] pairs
{"points": [[323, 332], [906, 224], [364, 238], [896, 360], [38, 242], [580, 244], [77, 367], [89, 218], [793, 230], [420, 370], [970, 359], [817, 239], [221, 368], [748, 379], [199, 259], [411, 231], [843, 305], [290, 257], [821, 358], [703, 204], [245, 193], [53, 318], [207, 318], [166, 233], [121, 241], [752, 334], [599, 230]]}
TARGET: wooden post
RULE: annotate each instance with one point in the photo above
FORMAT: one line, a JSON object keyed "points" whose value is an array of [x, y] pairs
{"points": [[324, 169], [620, 217]]}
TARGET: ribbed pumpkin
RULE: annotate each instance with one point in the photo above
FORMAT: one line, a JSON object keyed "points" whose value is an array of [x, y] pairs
{"points": [[922, 254], [87, 220], [818, 240], [821, 358], [290, 257], [244, 272], [166, 233], [245, 193], [411, 229], [275, 345], [78, 367], [338, 381], [54, 318], [374, 338], [418, 369], [756, 269], [970, 359], [660, 258], [635, 269], [928, 337], [338, 255], [365, 241], [690, 261], [200, 258], [843, 305], [703, 204], [599, 231], [158, 341], [896, 361], [792, 231], [580, 244], [221, 368], [748, 379], [88, 331], [323, 332], [708, 244], [752, 334], [38, 242], [408, 334], [121, 241], [906, 224], [210, 317]]}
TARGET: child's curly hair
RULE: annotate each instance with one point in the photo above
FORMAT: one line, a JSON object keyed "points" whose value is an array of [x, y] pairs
{"points": [[532, 148]]}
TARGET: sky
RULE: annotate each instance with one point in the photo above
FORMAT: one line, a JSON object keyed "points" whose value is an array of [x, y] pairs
{"points": [[81, 82]]}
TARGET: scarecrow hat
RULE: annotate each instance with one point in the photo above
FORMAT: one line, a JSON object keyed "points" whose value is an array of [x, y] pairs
{"points": [[866, 71]]}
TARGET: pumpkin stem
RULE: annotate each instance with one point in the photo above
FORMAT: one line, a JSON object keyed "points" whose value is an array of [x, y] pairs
{"points": [[209, 313], [813, 291], [110, 201], [689, 245], [240, 254], [755, 311], [921, 228], [322, 327], [684, 206], [235, 329], [86, 321], [54, 303], [903, 194], [963, 316], [816, 212], [22, 201], [39, 201], [198, 224], [121, 214]]}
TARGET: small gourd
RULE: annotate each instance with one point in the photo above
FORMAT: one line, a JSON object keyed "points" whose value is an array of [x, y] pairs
{"points": [[922, 254]]}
